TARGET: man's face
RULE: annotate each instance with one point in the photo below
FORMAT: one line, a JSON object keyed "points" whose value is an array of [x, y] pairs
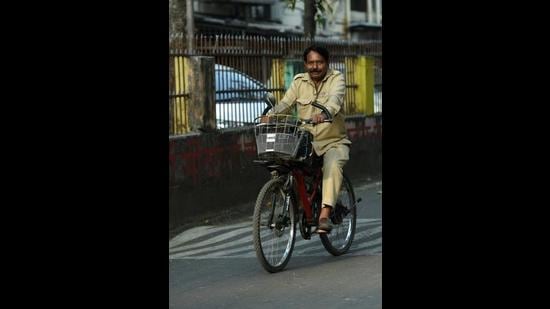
{"points": [[316, 65]]}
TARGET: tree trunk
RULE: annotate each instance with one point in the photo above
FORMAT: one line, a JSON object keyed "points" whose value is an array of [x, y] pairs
{"points": [[309, 18]]}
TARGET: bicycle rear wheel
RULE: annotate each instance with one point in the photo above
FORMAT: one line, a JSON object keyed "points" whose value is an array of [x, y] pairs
{"points": [[274, 227], [344, 218]]}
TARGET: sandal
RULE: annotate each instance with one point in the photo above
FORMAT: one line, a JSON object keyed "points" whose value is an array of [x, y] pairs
{"points": [[324, 226]]}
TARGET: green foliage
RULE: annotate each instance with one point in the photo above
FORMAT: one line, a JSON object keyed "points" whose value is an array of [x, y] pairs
{"points": [[291, 3], [321, 6]]}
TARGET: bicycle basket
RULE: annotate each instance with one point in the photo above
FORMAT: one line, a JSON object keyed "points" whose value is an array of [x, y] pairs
{"points": [[282, 138]]}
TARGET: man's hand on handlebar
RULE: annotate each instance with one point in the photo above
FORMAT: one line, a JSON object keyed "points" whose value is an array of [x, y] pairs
{"points": [[264, 119], [318, 118]]}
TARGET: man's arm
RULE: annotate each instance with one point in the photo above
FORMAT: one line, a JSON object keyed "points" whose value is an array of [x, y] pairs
{"points": [[336, 95], [287, 102]]}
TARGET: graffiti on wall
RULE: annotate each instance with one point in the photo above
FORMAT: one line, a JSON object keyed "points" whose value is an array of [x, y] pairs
{"points": [[196, 159], [199, 159]]}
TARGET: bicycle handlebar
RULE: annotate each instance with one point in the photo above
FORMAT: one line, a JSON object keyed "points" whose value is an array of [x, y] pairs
{"points": [[325, 110], [308, 121]]}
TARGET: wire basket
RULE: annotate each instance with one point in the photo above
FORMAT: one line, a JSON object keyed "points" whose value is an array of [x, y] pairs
{"points": [[282, 138]]}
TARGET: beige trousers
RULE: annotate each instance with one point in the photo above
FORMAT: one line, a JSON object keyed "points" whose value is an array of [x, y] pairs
{"points": [[334, 160]]}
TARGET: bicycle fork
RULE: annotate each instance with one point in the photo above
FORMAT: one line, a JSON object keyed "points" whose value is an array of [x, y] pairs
{"points": [[283, 218], [287, 189]]}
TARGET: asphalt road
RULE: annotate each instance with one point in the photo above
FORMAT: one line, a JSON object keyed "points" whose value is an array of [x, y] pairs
{"points": [[214, 266]]}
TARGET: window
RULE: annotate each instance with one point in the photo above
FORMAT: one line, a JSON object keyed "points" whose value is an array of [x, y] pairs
{"points": [[255, 12], [360, 5], [243, 11]]}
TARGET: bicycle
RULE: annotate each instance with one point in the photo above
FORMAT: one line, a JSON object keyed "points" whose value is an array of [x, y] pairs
{"points": [[293, 194]]}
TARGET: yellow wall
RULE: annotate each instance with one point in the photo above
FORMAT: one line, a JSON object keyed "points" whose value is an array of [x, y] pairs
{"points": [[364, 78], [179, 104]]}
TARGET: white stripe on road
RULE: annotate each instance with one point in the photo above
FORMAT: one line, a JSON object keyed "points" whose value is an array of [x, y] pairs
{"points": [[354, 247], [367, 186], [245, 244], [216, 239], [199, 231], [247, 239]]}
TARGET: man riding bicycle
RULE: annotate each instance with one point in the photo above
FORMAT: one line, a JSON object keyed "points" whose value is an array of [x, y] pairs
{"points": [[327, 87]]}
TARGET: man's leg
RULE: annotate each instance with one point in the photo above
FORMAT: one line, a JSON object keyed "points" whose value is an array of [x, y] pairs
{"points": [[333, 164]]}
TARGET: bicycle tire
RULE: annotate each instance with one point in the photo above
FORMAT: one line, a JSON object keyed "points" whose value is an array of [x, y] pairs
{"points": [[270, 226], [339, 240]]}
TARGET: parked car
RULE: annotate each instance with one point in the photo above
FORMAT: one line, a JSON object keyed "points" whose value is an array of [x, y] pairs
{"points": [[239, 97]]}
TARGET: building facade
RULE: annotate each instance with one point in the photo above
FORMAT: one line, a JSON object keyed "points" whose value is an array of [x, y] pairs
{"points": [[349, 20]]}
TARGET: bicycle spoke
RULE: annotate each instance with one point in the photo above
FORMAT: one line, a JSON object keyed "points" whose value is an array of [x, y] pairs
{"points": [[339, 240], [274, 230]]}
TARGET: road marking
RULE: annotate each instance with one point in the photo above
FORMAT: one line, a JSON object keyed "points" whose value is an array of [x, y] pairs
{"points": [[237, 242], [367, 186], [213, 240], [199, 231]]}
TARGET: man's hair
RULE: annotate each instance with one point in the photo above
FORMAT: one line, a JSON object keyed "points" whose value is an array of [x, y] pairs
{"points": [[321, 50]]}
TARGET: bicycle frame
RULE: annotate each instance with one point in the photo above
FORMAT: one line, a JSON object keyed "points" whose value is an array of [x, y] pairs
{"points": [[305, 198], [296, 176]]}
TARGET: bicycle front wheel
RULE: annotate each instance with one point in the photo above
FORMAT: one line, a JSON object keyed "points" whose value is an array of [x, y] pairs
{"points": [[344, 218], [274, 227]]}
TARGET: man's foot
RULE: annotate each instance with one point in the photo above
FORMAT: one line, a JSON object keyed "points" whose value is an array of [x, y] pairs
{"points": [[324, 226]]}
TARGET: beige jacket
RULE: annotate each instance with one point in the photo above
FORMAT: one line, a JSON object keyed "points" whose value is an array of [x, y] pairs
{"points": [[302, 92]]}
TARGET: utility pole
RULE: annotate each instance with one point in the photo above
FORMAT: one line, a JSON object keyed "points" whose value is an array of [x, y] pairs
{"points": [[347, 21], [379, 11], [190, 26], [370, 15]]}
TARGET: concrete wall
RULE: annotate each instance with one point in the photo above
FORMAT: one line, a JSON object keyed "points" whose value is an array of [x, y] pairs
{"points": [[212, 172]]}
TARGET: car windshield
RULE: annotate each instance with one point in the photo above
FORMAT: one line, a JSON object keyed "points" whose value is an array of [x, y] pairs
{"points": [[233, 85], [239, 97]]}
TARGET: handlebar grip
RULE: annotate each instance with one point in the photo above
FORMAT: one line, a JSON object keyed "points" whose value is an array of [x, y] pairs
{"points": [[325, 110], [266, 110]]}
